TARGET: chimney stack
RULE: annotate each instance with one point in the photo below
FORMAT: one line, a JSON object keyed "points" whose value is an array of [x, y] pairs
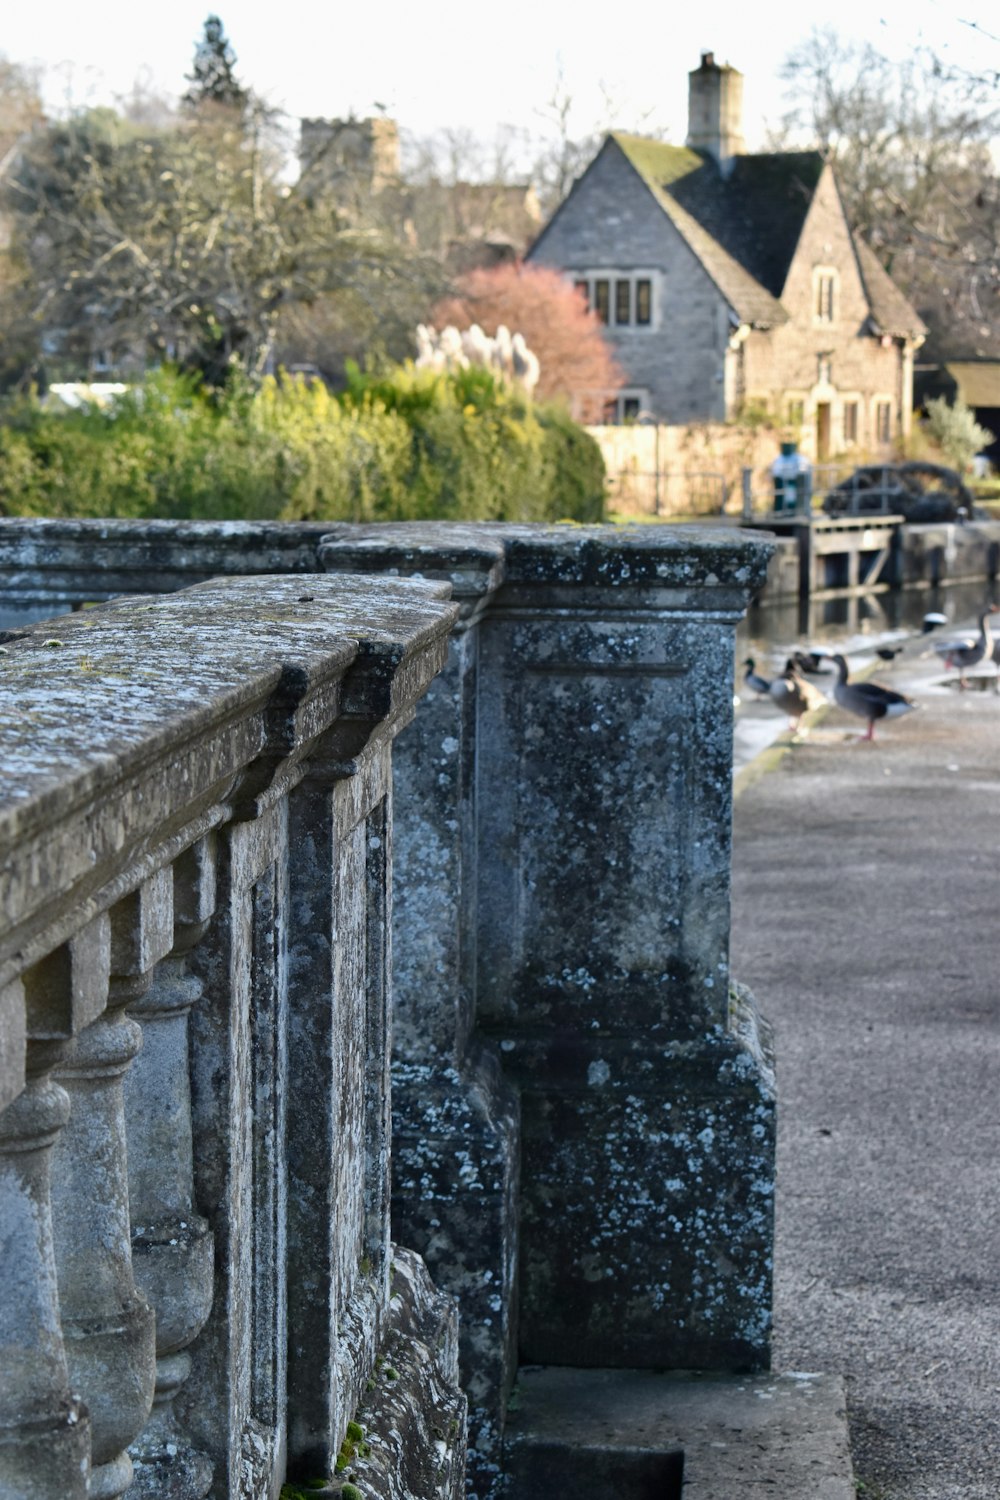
{"points": [[715, 111]]}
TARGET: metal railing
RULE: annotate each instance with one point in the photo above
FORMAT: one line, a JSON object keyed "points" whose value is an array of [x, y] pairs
{"points": [[669, 492]]}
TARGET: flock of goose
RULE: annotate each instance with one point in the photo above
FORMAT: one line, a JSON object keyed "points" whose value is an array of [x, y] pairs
{"points": [[795, 695]]}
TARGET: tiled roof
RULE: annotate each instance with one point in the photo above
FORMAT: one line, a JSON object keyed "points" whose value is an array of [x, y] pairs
{"points": [[890, 310], [745, 228], [679, 180], [978, 381]]}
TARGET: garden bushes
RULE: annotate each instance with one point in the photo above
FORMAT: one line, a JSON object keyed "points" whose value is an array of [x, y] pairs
{"points": [[404, 444]]}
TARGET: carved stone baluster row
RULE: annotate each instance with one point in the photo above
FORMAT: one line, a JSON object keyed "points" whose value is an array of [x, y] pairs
{"points": [[172, 1245], [44, 1433], [108, 1326]]}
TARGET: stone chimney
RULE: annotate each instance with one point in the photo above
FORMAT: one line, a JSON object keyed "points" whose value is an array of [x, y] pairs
{"points": [[715, 111]]}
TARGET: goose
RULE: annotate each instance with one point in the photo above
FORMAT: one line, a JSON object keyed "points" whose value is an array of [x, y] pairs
{"points": [[967, 650], [810, 663], [794, 696], [754, 681], [869, 700]]}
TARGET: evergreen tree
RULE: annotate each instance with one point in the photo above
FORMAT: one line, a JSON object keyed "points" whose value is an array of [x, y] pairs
{"points": [[213, 78]]}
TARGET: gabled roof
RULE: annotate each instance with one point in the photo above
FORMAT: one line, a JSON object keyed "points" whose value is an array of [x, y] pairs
{"points": [[688, 186], [744, 227], [890, 311]]}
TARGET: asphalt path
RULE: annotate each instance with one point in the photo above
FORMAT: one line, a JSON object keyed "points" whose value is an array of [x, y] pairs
{"points": [[866, 894]]}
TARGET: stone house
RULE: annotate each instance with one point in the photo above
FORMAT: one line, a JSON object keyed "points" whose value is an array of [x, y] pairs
{"points": [[732, 284]]}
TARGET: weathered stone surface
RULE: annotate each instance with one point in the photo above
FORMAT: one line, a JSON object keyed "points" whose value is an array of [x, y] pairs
{"points": [[44, 1431], [747, 1436], [107, 1326], [215, 714], [415, 1445], [524, 917], [112, 753], [564, 796], [172, 1244]]}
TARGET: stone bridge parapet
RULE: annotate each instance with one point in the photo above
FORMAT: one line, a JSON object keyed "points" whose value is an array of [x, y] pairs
{"points": [[582, 1098], [198, 1293]]}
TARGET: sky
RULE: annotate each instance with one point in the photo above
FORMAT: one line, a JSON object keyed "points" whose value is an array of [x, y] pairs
{"points": [[462, 65]]}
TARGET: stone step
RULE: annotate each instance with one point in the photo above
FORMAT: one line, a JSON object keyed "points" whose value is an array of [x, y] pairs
{"points": [[619, 1433]]}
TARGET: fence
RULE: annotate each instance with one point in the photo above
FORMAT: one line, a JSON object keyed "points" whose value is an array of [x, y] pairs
{"points": [[875, 498], [668, 492]]}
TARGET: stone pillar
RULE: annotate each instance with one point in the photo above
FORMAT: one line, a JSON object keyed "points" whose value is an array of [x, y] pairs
{"points": [[108, 1326], [172, 1245], [604, 798], [455, 1148], [233, 1403], [44, 1432], [598, 721]]}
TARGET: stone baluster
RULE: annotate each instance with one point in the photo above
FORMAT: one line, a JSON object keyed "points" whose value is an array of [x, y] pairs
{"points": [[44, 1435], [172, 1245], [107, 1325]]}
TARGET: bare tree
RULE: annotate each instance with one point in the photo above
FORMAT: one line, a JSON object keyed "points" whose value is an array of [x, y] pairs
{"points": [[184, 243], [912, 145]]}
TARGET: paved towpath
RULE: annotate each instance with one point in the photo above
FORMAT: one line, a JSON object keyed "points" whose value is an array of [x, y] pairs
{"points": [[866, 917]]}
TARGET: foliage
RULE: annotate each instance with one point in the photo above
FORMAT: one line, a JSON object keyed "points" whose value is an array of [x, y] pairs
{"points": [[400, 444], [146, 236], [955, 430], [577, 365]]}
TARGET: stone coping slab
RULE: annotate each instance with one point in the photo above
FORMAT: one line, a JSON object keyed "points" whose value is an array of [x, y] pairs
{"points": [[603, 557], [120, 726], [80, 559]]}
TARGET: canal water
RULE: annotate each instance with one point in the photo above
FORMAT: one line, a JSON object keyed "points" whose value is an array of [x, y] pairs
{"points": [[854, 625]]}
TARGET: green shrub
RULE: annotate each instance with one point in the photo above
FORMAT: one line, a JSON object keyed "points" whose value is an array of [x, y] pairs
{"points": [[955, 430], [398, 445]]}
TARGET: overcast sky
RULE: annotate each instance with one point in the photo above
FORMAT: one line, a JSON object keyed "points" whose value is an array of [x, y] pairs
{"points": [[467, 63]]}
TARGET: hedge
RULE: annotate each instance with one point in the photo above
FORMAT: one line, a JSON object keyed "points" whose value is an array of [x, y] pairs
{"points": [[400, 445]]}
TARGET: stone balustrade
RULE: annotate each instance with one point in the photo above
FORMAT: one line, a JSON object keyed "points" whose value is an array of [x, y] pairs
{"points": [[198, 1292], [583, 1099]]}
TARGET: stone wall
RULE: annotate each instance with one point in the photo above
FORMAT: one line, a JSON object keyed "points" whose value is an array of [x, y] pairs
{"points": [[783, 363], [583, 1102], [611, 223], [198, 1292]]}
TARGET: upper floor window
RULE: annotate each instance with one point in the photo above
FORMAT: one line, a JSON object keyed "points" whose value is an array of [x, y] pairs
{"points": [[601, 300], [825, 284], [883, 422], [625, 301]]}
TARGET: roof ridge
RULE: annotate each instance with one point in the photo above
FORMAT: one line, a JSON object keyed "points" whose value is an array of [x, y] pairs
{"points": [[749, 299]]}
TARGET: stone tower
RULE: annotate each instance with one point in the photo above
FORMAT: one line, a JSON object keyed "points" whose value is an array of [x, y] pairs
{"points": [[715, 111], [365, 152]]}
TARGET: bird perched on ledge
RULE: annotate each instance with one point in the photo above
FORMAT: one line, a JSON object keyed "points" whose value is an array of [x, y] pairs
{"points": [[794, 696], [968, 650], [869, 700]]}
